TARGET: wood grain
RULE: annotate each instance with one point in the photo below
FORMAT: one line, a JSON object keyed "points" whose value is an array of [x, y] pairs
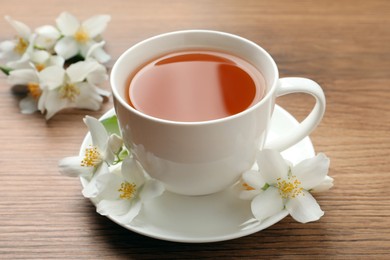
{"points": [[343, 45]]}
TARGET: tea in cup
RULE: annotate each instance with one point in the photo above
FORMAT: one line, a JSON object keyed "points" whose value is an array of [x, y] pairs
{"points": [[194, 107]]}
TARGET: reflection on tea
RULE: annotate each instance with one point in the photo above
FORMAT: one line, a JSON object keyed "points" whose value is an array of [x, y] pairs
{"points": [[194, 86]]}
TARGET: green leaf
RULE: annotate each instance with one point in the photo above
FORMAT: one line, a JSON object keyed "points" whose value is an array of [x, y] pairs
{"points": [[111, 125], [5, 70]]}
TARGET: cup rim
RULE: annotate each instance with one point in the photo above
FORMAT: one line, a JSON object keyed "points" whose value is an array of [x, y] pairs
{"points": [[123, 102]]}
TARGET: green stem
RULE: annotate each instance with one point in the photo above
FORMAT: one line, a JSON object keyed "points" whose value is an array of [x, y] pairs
{"points": [[120, 156]]}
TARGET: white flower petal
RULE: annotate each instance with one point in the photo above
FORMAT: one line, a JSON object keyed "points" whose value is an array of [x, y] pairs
{"points": [[152, 189], [7, 46], [52, 103], [115, 143], [97, 52], [98, 75], [22, 77], [112, 183], [98, 182], [88, 98], [254, 179], [131, 214], [22, 63], [249, 194], [22, 29], [304, 208], [113, 207], [7, 52], [101, 55], [47, 36], [71, 166], [311, 172], [84, 47], [56, 60], [66, 47], [92, 47], [272, 165], [40, 56], [103, 93], [67, 23], [28, 105], [98, 132], [87, 103], [96, 25], [325, 185], [79, 71], [132, 172], [48, 32], [109, 156], [31, 40], [42, 101], [267, 204], [52, 77]]}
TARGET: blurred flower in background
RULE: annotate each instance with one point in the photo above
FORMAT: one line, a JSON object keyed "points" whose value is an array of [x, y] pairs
{"points": [[57, 67]]}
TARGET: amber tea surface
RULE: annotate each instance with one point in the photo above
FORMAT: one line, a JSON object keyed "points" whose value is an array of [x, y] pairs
{"points": [[195, 86]]}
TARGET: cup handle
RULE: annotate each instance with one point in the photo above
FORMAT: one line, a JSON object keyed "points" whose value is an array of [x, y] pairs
{"points": [[301, 85]]}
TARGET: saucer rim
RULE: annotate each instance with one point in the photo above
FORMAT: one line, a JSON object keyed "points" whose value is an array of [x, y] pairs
{"points": [[199, 239]]}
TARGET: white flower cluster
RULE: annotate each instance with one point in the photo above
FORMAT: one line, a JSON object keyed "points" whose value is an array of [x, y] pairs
{"points": [[57, 67], [279, 185], [119, 186], [116, 181]]}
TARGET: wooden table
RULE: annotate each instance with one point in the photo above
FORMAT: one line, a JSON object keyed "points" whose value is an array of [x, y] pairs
{"points": [[343, 45]]}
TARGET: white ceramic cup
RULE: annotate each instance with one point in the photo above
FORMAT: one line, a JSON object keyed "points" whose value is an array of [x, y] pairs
{"points": [[198, 158]]}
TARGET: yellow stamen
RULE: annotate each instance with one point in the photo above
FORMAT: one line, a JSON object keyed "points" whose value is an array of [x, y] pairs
{"points": [[39, 66], [81, 36], [21, 46], [127, 190], [34, 90], [289, 188], [69, 91], [92, 157], [247, 187]]}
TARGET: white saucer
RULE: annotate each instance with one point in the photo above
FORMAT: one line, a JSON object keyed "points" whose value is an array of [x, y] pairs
{"points": [[215, 217]]}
